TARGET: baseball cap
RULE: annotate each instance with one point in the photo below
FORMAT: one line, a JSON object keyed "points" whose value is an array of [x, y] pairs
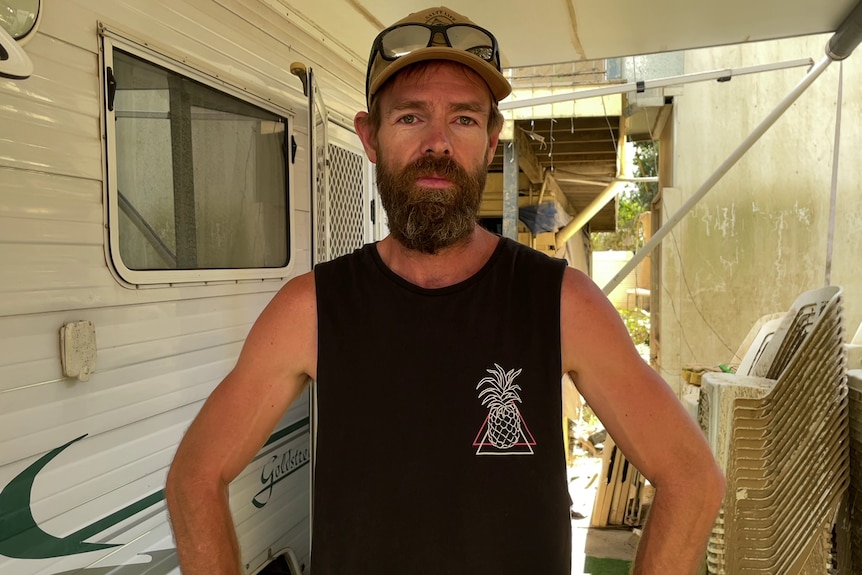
{"points": [[435, 34]]}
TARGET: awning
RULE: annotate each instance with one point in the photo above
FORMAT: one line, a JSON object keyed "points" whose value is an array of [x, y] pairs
{"points": [[552, 31]]}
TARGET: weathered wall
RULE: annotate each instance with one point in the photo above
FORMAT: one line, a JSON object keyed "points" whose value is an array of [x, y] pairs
{"points": [[606, 265], [759, 237]]}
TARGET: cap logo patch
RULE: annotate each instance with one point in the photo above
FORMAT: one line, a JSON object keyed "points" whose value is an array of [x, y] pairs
{"points": [[439, 17]]}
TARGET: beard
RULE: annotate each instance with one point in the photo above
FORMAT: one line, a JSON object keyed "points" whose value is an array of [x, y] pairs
{"points": [[430, 219]]}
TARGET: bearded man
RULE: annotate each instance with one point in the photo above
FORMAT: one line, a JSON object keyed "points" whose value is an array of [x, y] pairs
{"points": [[437, 354]]}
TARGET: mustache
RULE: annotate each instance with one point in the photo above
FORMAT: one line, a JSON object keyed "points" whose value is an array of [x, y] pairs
{"points": [[442, 166], [430, 219]]}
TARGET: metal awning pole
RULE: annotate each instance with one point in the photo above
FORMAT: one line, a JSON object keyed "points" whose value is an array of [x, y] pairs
{"points": [[847, 37], [630, 87], [734, 157]]}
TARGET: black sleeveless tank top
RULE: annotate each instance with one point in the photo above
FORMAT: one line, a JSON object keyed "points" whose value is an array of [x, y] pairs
{"points": [[439, 446]]}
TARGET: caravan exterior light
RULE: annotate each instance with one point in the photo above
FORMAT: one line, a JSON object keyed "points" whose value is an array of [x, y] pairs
{"points": [[18, 22], [19, 18]]}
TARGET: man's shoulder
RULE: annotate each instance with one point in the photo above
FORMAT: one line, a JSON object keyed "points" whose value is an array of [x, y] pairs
{"points": [[581, 293], [298, 291], [525, 255], [361, 256], [357, 268]]}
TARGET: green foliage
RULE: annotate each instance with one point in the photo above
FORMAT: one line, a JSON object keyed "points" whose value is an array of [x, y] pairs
{"points": [[638, 324], [645, 165], [590, 418], [633, 201]]}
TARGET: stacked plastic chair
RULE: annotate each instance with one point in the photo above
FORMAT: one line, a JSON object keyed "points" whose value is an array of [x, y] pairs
{"points": [[854, 384], [779, 430]]}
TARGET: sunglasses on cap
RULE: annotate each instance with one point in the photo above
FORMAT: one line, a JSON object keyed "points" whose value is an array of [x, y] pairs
{"points": [[403, 39]]}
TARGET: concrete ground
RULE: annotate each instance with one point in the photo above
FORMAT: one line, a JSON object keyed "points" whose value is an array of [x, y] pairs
{"points": [[606, 551]]}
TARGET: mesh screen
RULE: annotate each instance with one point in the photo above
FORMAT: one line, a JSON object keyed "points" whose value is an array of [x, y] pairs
{"points": [[346, 225], [340, 226]]}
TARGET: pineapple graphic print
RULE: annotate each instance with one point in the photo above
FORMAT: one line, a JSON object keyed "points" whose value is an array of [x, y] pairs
{"points": [[504, 431]]}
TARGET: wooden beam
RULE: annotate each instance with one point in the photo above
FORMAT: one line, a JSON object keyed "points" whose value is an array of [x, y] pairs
{"points": [[527, 159], [661, 121], [554, 188]]}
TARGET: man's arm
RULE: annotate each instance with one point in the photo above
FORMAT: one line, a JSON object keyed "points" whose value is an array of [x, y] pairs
{"points": [[648, 423], [278, 357]]}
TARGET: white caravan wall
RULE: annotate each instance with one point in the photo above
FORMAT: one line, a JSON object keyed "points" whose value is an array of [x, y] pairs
{"points": [[759, 237], [160, 349]]}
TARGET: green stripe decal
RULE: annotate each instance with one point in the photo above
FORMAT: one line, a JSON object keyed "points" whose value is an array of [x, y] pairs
{"points": [[22, 538], [119, 516], [20, 535], [287, 431]]}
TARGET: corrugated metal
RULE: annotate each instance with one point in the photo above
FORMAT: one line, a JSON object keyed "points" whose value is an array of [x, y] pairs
{"points": [[41, 196], [160, 350], [53, 126], [245, 42]]}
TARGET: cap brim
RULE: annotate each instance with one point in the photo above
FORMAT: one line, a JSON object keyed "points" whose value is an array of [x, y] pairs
{"points": [[497, 83]]}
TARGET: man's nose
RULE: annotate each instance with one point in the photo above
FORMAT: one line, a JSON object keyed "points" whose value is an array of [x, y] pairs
{"points": [[437, 139]]}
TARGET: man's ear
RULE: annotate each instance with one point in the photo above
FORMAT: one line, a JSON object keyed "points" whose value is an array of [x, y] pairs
{"points": [[367, 134]]}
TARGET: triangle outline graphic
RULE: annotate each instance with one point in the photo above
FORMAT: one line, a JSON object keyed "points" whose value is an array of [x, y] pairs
{"points": [[485, 447]]}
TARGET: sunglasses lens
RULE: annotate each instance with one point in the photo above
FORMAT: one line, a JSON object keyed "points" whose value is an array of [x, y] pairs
{"points": [[472, 40], [403, 40]]}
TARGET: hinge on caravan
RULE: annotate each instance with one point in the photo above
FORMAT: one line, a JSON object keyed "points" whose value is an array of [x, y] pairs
{"points": [[373, 214], [112, 88], [292, 150]]}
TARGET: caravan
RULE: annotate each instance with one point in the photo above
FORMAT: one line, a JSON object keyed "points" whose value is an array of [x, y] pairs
{"points": [[161, 177], [166, 166]]}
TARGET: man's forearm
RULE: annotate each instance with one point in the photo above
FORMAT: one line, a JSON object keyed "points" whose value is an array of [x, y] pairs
{"points": [[678, 528], [204, 531]]}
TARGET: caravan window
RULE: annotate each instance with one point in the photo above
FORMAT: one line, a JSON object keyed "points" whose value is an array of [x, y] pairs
{"points": [[198, 178]]}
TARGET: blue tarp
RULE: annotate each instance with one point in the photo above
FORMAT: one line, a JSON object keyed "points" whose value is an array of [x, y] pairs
{"points": [[545, 217]]}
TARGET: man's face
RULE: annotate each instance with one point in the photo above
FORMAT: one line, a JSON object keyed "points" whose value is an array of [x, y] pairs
{"points": [[432, 150], [428, 219]]}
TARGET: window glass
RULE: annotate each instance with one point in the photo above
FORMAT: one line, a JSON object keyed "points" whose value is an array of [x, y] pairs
{"points": [[200, 175]]}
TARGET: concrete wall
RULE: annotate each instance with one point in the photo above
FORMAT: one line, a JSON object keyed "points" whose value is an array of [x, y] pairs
{"points": [[759, 238], [605, 265], [578, 252]]}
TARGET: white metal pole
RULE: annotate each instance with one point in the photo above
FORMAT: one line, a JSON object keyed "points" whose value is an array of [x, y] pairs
{"points": [[833, 195], [604, 182], [727, 73], [847, 37], [734, 157]]}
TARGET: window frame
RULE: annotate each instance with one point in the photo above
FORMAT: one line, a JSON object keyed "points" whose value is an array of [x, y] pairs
{"points": [[167, 277]]}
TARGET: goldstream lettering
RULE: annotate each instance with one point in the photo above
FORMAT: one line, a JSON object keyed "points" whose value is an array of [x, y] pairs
{"points": [[276, 469]]}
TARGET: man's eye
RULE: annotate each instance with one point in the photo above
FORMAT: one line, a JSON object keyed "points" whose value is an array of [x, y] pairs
{"points": [[466, 121], [407, 119]]}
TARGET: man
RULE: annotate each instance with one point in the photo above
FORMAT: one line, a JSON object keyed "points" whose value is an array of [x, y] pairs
{"points": [[442, 346]]}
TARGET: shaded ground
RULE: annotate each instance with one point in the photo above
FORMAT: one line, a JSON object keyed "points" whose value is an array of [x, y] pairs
{"points": [[605, 551]]}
